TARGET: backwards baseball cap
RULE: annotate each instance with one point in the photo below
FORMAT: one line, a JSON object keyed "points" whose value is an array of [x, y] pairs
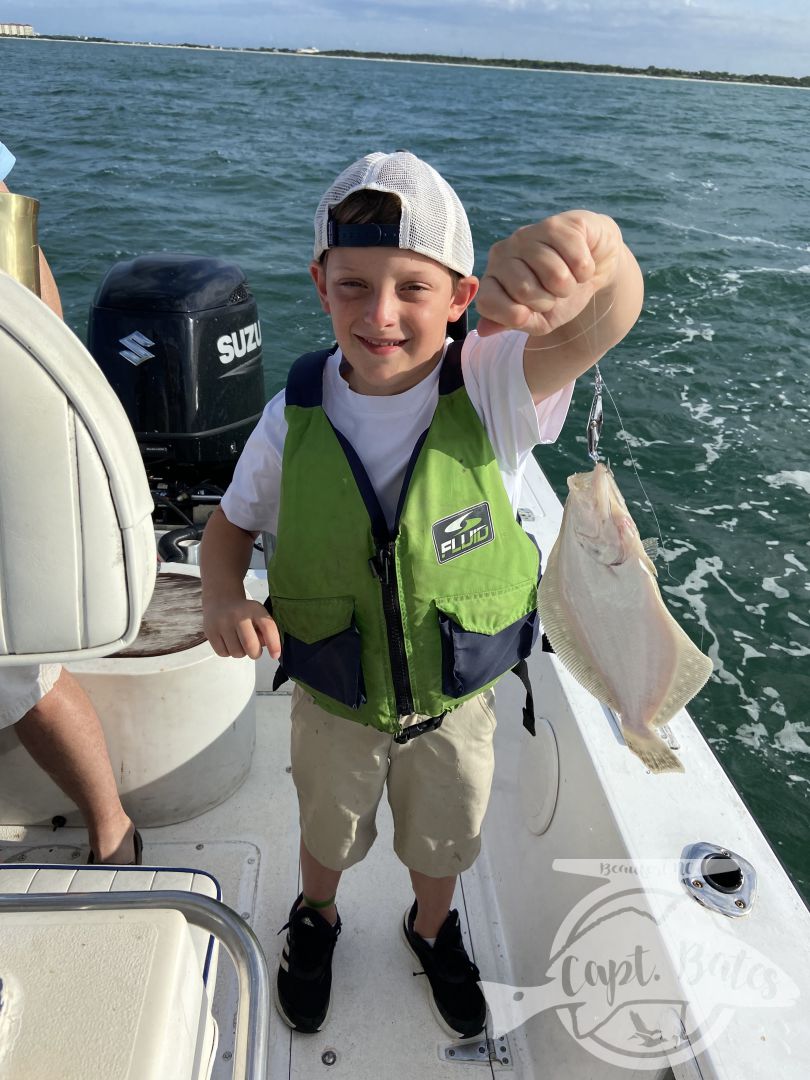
{"points": [[433, 221]]}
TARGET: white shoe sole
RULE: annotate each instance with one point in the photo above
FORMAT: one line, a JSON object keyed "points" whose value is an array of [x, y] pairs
{"points": [[288, 1021]]}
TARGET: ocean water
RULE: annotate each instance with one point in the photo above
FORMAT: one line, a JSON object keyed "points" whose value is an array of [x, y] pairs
{"points": [[133, 150]]}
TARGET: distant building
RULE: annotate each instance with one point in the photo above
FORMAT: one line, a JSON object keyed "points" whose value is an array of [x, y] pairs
{"points": [[16, 29], [312, 49]]}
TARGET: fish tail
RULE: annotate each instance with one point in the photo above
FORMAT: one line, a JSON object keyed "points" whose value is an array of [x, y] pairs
{"points": [[653, 751]]}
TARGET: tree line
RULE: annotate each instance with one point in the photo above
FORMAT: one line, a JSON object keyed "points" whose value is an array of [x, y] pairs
{"points": [[535, 65], [573, 65]]}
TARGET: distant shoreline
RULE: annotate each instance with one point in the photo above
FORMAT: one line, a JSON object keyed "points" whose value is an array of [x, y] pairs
{"points": [[542, 66]]}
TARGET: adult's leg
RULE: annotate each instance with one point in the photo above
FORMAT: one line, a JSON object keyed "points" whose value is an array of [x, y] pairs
{"points": [[63, 735]]}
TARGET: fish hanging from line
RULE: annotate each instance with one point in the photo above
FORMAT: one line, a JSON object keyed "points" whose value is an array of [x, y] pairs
{"points": [[603, 613]]}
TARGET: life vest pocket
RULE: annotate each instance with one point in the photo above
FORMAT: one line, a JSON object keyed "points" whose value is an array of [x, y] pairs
{"points": [[320, 646], [484, 635]]}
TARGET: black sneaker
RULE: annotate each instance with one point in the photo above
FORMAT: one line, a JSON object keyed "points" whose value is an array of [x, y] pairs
{"points": [[455, 995], [304, 982]]}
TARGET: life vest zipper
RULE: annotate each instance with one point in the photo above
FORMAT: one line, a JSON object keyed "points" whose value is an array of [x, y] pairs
{"points": [[383, 566]]}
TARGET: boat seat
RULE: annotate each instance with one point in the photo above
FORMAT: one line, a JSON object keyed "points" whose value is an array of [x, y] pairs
{"points": [[120, 994], [73, 495], [77, 574]]}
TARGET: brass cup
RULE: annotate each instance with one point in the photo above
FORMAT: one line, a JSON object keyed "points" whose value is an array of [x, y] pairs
{"points": [[19, 250]]}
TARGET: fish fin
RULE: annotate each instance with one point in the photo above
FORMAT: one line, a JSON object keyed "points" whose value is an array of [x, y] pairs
{"points": [[651, 547], [553, 615], [693, 671], [653, 751]]}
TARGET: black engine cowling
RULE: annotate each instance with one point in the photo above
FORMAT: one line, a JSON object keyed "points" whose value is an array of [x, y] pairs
{"points": [[178, 337]]}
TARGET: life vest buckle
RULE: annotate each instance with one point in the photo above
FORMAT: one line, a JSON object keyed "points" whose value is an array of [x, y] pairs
{"points": [[408, 733]]}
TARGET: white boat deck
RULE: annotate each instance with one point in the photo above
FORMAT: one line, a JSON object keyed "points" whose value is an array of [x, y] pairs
{"points": [[380, 1017], [513, 902]]}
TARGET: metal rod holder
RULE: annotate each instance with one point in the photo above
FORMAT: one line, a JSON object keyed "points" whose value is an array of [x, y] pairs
{"points": [[19, 250]]}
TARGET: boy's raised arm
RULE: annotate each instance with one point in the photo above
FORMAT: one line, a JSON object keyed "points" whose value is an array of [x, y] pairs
{"points": [[572, 284]]}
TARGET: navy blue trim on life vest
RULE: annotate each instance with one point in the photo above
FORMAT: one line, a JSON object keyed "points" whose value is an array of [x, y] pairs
{"points": [[450, 377], [379, 526], [459, 329], [471, 660], [331, 666], [305, 379], [406, 479]]}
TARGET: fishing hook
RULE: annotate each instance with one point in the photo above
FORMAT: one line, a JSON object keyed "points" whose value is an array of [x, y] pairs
{"points": [[594, 429]]}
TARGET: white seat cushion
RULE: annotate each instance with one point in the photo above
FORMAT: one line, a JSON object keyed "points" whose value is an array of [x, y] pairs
{"points": [[77, 549]]}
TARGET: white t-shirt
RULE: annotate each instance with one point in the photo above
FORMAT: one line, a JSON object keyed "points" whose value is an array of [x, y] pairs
{"points": [[384, 430]]}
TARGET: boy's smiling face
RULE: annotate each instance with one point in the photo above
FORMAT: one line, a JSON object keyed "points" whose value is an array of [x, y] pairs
{"points": [[390, 308]]}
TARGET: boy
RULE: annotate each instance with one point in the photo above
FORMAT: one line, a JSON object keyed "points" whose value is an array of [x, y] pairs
{"points": [[401, 586]]}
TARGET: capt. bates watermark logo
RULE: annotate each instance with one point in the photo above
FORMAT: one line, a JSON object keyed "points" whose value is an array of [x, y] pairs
{"points": [[461, 532], [639, 974]]}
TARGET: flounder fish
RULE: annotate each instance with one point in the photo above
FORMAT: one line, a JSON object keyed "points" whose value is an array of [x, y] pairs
{"points": [[602, 611]]}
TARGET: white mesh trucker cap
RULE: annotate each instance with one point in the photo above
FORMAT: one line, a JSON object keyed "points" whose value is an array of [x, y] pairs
{"points": [[433, 221]]}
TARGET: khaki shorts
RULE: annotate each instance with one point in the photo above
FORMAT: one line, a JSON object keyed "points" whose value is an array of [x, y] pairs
{"points": [[438, 786], [21, 688]]}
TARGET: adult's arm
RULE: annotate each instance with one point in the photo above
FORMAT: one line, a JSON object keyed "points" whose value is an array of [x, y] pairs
{"points": [[47, 284]]}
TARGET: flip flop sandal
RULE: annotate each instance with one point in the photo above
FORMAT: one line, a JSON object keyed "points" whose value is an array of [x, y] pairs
{"points": [[137, 843]]}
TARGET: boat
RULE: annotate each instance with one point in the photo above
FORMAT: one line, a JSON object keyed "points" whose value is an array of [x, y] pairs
{"points": [[626, 925]]}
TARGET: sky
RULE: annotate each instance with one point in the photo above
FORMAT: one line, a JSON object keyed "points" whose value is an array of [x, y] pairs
{"points": [[740, 36]]}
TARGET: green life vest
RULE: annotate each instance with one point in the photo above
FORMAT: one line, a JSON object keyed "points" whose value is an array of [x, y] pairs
{"points": [[376, 623]]}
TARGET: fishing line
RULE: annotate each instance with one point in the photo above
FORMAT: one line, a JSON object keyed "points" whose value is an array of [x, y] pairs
{"points": [[601, 386], [647, 498], [583, 333]]}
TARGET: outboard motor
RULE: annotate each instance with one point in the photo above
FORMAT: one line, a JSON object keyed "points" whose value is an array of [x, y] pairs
{"points": [[179, 339]]}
